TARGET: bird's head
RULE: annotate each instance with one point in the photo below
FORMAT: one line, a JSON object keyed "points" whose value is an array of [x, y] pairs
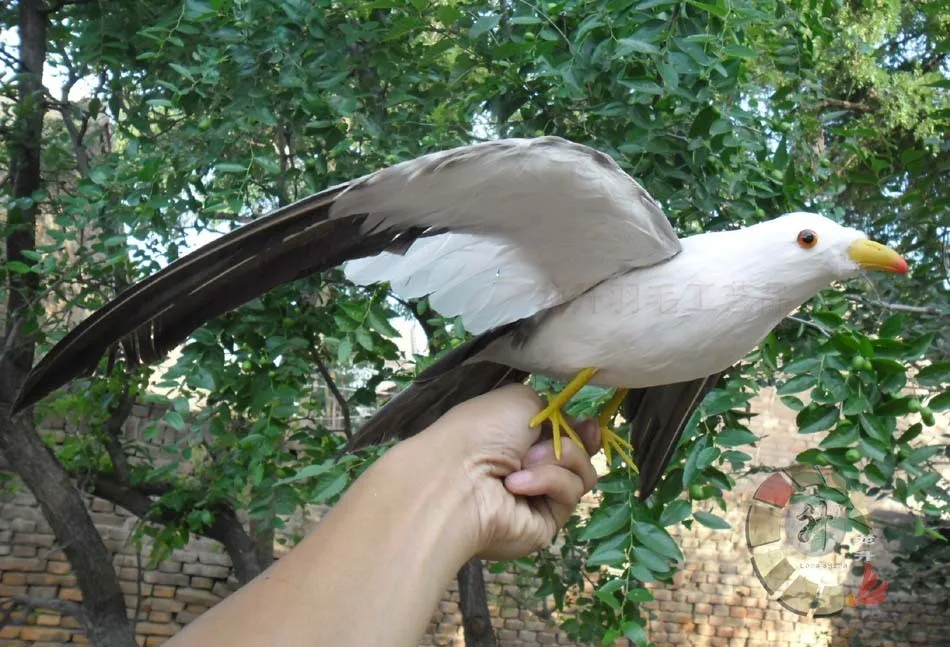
{"points": [[819, 246]]}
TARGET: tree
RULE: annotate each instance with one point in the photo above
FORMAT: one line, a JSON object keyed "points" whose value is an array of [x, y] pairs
{"points": [[218, 110]]}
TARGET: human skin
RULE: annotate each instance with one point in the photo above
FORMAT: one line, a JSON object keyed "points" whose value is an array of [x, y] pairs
{"points": [[477, 483]]}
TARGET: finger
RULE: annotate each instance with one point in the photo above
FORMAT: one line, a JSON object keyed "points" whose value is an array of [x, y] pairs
{"points": [[589, 432], [573, 458], [553, 481]]}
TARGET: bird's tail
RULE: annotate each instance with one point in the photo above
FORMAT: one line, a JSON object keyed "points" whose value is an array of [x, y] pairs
{"points": [[441, 386]]}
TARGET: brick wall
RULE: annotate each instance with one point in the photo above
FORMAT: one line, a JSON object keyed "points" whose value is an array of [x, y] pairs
{"points": [[716, 600]]}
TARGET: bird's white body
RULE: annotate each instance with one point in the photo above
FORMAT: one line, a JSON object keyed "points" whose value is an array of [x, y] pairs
{"points": [[559, 238], [691, 316]]}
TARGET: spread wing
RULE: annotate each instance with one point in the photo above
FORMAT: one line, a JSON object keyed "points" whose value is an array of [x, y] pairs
{"points": [[494, 232]]}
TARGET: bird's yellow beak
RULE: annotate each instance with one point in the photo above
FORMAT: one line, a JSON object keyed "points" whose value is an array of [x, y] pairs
{"points": [[875, 256]]}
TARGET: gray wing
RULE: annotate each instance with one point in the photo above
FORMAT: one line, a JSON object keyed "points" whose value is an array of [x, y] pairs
{"points": [[531, 223], [494, 232]]}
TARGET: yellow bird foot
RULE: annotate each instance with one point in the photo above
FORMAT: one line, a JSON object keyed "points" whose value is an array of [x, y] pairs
{"points": [[613, 442], [559, 424], [554, 411], [610, 441]]}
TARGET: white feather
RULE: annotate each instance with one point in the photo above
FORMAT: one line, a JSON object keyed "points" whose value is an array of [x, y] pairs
{"points": [[534, 223]]}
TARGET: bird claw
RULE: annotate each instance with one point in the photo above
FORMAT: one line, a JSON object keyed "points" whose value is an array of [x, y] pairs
{"points": [[613, 442], [559, 423]]}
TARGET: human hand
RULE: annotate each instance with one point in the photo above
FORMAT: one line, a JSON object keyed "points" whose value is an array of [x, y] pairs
{"points": [[520, 495]]}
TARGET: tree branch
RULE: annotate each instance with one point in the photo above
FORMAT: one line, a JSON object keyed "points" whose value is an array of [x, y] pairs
{"points": [[27, 603], [338, 396], [113, 433], [841, 104], [226, 527], [899, 307]]}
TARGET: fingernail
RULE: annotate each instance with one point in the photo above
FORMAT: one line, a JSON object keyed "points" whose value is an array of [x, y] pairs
{"points": [[520, 479]]}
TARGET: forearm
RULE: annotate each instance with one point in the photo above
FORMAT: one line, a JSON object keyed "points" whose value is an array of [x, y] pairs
{"points": [[370, 574]]}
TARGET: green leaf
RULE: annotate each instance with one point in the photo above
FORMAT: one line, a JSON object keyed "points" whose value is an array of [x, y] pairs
{"points": [[308, 472], [626, 46], [606, 594], [815, 418], [798, 384], [735, 436], [656, 539], [711, 521], [230, 167], [483, 25], [331, 489], [875, 427], [363, 338], [923, 483], [18, 267], [635, 633], [175, 420], [609, 553], [651, 560], [639, 594], [606, 522], [675, 512], [940, 402], [740, 51], [893, 325], [715, 9], [937, 374]]}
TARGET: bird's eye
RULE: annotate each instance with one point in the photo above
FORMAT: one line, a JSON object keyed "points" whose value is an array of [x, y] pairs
{"points": [[807, 238]]}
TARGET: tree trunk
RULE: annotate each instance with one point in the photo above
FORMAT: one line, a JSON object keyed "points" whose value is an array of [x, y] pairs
{"points": [[62, 505], [473, 603]]}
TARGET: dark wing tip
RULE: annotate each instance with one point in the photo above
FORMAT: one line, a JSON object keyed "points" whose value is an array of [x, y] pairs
{"points": [[658, 416]]}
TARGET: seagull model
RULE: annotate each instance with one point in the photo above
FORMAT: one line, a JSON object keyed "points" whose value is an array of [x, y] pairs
{"points": [[554, 258]]}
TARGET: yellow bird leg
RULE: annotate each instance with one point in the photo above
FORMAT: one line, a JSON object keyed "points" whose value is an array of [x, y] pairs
{"points": [[608, 439], [553, 411]]}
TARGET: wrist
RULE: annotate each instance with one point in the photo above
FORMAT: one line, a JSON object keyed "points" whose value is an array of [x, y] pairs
{"points": [[437, 492]]}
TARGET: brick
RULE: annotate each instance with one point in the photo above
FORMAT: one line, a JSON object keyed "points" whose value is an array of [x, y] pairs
{"points": [[168, 579], [23, 550], [58, 568], [10, 631], [206, 570], [165, 604], [23, 525], [221, 589], [169, 566], [201, 583], [7, 590], [22, 564], [71, 594], [159, 616], [101, 505], [184, 617], [14, 578], [41, 591], [196, 596], [43, 634], [154, 641], [45, 579], [160, 591], [220, 559], [48, 620], [132, 588]]}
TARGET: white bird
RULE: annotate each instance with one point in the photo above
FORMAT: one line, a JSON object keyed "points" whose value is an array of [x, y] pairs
{"points": [[555, 258]]}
